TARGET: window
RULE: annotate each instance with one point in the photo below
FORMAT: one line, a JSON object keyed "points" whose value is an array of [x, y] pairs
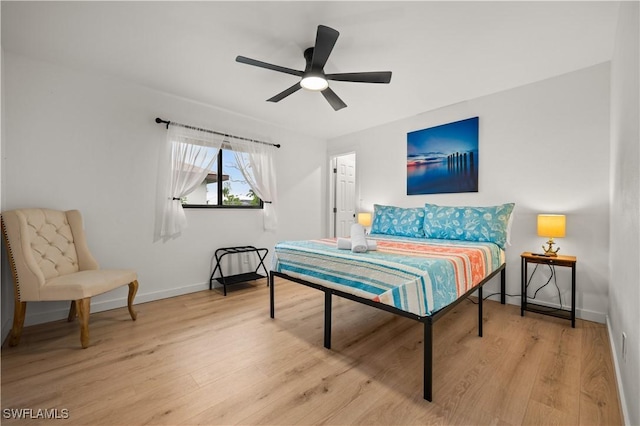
{"points": [[224, 186], [186, 170]]}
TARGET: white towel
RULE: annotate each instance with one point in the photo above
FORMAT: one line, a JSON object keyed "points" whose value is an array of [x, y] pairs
{"points": [[358, 240], [372, 245], [345, 244]]}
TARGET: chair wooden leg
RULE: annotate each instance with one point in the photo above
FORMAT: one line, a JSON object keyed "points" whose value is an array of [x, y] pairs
{"points": [[133, 289], [19, 312], [84, 309], [73, 312]]}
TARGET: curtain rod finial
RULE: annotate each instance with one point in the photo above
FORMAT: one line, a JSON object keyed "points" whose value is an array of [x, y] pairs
{"points": [[160, 120]]}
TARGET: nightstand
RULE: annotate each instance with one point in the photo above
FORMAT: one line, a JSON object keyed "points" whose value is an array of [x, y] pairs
{"points": [[567, 261]]}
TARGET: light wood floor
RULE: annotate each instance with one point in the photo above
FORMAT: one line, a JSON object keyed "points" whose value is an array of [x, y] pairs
{"points": [[205, 359]]}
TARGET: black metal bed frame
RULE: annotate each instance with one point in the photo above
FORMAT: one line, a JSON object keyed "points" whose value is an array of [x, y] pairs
{"points": [[428, 320]]}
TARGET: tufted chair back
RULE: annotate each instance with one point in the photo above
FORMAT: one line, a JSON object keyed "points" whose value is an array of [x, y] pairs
{"points": [[50, 260], [50, 241], [45, 244]]}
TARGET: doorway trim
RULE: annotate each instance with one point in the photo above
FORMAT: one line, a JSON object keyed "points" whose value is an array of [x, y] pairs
{"points": [[332, 210]]}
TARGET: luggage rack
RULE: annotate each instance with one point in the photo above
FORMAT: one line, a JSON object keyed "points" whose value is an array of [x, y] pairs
{"points": [[261, 253]]}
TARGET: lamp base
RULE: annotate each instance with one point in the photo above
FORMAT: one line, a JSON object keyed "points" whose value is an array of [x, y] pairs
{"points": [[549, 251]]}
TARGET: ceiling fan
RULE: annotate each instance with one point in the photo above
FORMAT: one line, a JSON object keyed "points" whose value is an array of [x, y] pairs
{"points": [[313, 77]]}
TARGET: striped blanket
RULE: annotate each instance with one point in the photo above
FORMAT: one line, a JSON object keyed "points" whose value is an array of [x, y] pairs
{"points": [[415, 275]]}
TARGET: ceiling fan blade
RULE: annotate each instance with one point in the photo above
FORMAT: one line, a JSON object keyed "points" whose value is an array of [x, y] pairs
{"points": [[280, 96], [362, 77], [325, 40], [268, 66], [333, 99]]}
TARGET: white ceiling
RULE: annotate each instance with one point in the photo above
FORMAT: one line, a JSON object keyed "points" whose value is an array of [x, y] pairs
{"points": [[440, 53]]}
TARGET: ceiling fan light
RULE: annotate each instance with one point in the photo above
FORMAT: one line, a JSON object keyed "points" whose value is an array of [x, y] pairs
{"points": [[314, 82]]}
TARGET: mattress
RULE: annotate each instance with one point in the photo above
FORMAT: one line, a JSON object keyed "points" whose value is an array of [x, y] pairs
{"points": [[415, 275]]}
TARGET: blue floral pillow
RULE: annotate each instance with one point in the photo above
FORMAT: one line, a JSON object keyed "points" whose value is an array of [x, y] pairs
{"points": [[390, 220], [484, 224]]}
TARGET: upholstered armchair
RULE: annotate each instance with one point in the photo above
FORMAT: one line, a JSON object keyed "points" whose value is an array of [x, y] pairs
{"points": [[50, 260]]}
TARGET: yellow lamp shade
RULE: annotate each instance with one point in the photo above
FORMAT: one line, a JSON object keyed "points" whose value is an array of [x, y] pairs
{"points": [[364, 219], [551, 225]]}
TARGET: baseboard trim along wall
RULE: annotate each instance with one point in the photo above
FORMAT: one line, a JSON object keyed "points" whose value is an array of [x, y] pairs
{"points": [[105, 305], [583, 314], [614, 354]]}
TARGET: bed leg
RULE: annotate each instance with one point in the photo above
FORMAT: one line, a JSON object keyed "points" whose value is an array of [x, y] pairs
{"points": [[428, 360], [503, 286], [480, 311], [327, 319], [272, 310]]}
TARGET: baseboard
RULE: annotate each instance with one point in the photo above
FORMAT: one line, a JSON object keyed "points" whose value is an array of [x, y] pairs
{"points": [[614, 354], [165, 294], [106, 305], [584, 314]]}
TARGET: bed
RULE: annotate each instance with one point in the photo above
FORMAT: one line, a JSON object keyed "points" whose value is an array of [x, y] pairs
{"points": [[427, 260]]}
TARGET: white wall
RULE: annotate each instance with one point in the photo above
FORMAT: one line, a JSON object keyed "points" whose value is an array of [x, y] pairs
{"points": [[544, 146], [624, 299], [76, 140], [6, 304]]}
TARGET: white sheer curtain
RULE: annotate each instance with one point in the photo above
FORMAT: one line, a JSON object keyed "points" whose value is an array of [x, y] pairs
{"points": [[256, 162], [186, 159]]}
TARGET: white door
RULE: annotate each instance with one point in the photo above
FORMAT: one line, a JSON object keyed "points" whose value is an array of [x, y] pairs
{"points": [[345, 194]]}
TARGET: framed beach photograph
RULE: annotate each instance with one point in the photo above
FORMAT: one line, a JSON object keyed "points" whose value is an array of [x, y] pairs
{"points": [[443, 159]]}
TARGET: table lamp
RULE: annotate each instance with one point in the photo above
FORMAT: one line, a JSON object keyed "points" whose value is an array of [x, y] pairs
{"points": [[551, 226], [364, 219]]}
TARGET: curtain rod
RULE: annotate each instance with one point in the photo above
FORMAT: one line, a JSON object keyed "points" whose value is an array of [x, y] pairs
{"points": [[160, 120]]}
